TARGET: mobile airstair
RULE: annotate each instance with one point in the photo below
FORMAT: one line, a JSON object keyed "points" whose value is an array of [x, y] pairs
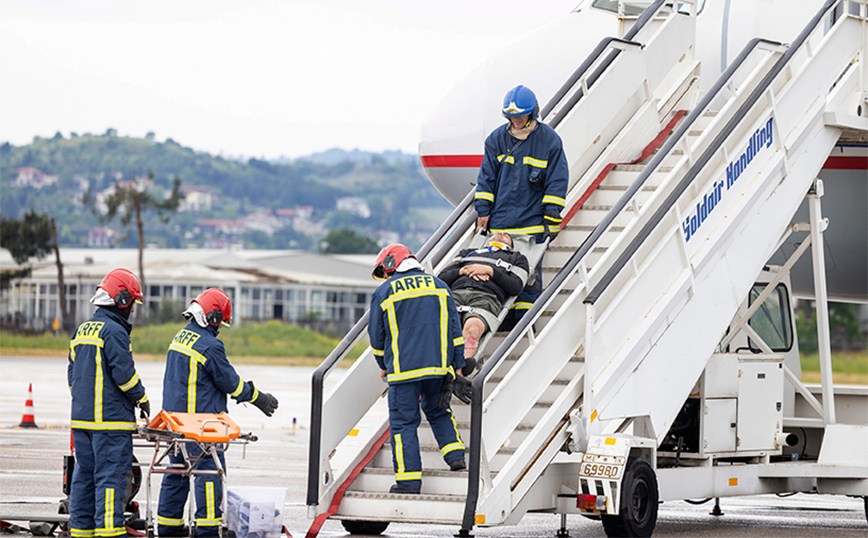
{"points": [[676, 202]]}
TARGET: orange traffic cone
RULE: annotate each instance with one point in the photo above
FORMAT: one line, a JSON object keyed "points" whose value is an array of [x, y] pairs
{"points": [[27, 420]]}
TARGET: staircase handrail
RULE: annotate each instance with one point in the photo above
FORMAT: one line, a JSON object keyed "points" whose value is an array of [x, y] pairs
{"points": [[340, 351]]}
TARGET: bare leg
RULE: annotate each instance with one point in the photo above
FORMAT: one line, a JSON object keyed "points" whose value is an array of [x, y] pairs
{"points": [[473, 329]]}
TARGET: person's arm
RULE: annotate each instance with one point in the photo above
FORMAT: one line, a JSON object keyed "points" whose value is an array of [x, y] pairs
{"points": [[119, 358], [486, 182], [557, 180], [377, 332]]}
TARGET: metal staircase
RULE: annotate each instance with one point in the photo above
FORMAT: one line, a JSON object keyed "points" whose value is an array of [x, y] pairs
{"points": [[613, 344]]}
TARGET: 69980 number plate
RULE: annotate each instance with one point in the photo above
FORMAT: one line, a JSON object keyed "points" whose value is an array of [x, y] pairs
{"points": [[600, 466]]}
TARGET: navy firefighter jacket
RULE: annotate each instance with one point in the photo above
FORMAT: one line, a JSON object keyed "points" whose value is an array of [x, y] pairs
{"points": [[414, 328], [198, 375], [102, 376], [522, 186]]}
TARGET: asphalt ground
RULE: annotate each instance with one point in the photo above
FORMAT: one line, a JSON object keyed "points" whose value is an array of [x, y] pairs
{"points": [[31, 465]]}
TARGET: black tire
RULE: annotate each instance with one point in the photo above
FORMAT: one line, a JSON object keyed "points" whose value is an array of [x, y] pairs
{"points": [[64, 509], [365, 528], [639, 498]]}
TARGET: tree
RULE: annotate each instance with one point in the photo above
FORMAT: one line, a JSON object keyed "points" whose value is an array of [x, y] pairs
{"points": [[131, 199], [347, 241], [34, 236]]}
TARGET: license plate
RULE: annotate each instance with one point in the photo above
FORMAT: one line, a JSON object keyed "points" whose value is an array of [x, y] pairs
{"points": [[600, 470]]}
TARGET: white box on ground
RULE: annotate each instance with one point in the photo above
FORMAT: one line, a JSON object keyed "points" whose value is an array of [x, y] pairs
{"points": [[255, 512]]}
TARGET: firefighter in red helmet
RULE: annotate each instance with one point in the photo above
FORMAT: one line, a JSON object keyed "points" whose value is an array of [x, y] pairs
{"points": [[105, 392], [415, 335], [198, 379]]}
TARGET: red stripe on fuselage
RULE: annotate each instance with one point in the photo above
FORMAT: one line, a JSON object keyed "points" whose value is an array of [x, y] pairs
{"points": [[846, 162], [451, 161]]}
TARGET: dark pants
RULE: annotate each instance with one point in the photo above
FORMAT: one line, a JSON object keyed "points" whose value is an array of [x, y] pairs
{"points": [[404, 419], [99, 482], [176, 488]]}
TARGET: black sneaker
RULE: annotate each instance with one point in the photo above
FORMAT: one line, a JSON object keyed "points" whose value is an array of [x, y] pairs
{"points": [[396, 489], [457, 465]]}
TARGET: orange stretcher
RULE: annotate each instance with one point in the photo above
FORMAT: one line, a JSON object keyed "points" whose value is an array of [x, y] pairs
{"points": [[175, 433]]}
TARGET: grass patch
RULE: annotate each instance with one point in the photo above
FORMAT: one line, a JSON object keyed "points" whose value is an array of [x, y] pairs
{"points": [[847, 367], [272, 342]]}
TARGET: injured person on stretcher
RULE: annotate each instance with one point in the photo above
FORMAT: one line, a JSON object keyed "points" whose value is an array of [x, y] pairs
{"points": [[483, 280]]}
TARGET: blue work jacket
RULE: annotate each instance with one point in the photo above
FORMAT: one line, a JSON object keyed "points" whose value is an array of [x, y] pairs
{"points": [[102, 376], [523, 189], [414, 328], [198, 375]]}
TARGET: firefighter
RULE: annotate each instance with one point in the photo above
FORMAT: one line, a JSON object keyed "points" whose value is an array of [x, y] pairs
{"points": [[105, 391], [415, 334], [197, 380], [522, 182]]}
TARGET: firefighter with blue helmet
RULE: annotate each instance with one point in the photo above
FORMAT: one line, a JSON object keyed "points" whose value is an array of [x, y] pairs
{"points": [[522, 183], [415, 335], [198, 379], [105, 392]]}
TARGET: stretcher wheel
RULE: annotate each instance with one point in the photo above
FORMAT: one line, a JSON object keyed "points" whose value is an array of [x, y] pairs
{"points": [[639, 496], [364, 527], [150, 533]]}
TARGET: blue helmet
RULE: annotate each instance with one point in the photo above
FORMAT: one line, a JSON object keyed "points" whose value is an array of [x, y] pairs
{"points": [[520, 101]]}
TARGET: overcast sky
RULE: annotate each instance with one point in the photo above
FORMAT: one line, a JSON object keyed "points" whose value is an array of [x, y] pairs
{"points": [[246, 78]]}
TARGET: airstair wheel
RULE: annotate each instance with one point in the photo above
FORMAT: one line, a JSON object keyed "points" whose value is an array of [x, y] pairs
{"points": [[638, 506], [364, 527]]}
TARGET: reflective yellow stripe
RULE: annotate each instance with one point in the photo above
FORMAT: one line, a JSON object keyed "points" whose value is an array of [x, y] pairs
{"points": [[109, 509], [81, 533], [131, 383], [169, 522], [521, 306], [481, 195], [399, 455], [377, 352], [549, 199], [143, 399], [393, 329], [455, 427], [87, 340], [458, 341], [97, 389], [114, 531], [529, 230], [553, 219], [240, 387], [207, 522], [537, 163], [190, 352], [209, 500], [413, 374], [255, 394], [408, 476], [412, 294], [450, 447], [504, 158], [444, 331], [191, 384], [86, 425]]}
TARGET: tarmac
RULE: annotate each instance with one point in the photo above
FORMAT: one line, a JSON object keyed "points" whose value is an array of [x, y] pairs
{"points": [[31, 465]]}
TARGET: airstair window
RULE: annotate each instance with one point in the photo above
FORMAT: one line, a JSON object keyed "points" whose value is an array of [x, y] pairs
{"points": [[772, 321]]}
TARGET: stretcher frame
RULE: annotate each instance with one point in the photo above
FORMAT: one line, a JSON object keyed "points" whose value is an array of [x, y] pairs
{"points": [[171, 433]]}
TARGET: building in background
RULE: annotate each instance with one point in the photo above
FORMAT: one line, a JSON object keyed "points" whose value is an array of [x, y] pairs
{"points": [[301, 287]]}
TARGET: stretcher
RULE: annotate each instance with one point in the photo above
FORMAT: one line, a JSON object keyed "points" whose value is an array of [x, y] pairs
{"points": [[533, 251], [177, 433]]}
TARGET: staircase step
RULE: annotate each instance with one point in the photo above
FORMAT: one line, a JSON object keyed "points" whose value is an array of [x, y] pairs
{"points": [[380, 479], [369, 506]]}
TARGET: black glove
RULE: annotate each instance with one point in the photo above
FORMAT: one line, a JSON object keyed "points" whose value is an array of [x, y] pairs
{"points": [[145, 409], [469, 367], [265, 402], [445, 396], [462, 389], [551, 235]]}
